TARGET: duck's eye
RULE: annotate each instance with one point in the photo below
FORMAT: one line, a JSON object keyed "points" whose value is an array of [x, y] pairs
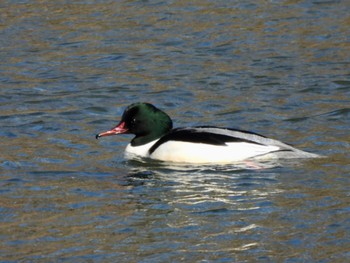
{"points": [[133, 121]]}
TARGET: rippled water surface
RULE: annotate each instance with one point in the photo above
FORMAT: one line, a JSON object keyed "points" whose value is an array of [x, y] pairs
{"points": [[67, 71]]}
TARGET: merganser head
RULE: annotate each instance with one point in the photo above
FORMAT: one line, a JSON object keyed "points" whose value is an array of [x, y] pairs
{"points": [[144, 120]]}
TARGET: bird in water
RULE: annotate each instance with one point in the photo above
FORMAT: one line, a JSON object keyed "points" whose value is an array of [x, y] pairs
{"points": [[155, 138]]}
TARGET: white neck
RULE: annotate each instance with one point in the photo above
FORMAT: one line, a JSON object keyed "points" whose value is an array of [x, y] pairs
{"points": [[141, 150]]}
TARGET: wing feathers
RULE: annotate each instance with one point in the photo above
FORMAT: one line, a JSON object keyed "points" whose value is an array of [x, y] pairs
{"points": [[215, 136]]}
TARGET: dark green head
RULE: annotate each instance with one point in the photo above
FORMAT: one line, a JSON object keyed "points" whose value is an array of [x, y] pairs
{"points": [[145, 121]]}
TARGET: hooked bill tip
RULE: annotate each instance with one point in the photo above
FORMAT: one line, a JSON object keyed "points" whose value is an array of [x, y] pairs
{"points": [[97, 136]]}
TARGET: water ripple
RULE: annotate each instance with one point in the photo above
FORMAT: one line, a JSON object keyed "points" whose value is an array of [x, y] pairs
{"points": [[70, 69]]}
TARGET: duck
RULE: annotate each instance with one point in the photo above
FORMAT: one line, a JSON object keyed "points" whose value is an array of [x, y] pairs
{"points": [[155, 138]]}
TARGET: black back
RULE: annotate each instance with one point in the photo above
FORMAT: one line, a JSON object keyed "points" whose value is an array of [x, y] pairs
{"points": [[198, 136]]}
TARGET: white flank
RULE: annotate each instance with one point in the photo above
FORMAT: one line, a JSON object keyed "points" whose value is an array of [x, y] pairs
{"points": [[201, 153], [186, 152]]}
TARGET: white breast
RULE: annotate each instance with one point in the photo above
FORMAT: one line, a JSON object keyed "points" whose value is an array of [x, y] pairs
{"points": [[141, 151]]}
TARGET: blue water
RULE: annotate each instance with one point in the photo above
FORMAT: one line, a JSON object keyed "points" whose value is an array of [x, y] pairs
{"points": [[67, 72]]}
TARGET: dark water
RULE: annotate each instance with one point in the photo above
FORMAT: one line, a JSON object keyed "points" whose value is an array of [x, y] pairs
{"points": [[280, 68]]}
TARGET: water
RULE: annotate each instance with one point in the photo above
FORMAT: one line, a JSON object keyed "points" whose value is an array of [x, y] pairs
{"points": [[69, 69]]}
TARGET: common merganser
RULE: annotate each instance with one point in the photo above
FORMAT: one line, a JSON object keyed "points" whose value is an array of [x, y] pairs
{"points": [[155, 138]]}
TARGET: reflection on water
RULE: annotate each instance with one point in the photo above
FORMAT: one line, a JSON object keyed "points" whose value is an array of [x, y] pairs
{"points": [[222, 200], [216, 189], [69, 69], [161, 212]]}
